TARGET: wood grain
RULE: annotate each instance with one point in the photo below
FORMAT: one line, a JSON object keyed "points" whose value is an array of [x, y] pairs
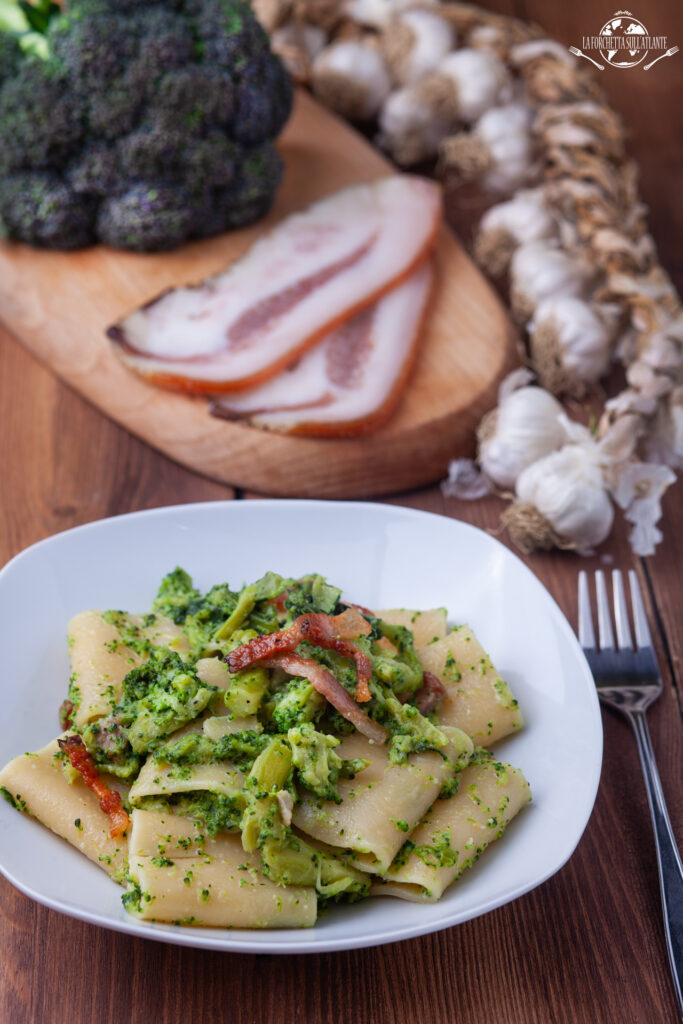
{"points": [[584, 948], [59, 305]]}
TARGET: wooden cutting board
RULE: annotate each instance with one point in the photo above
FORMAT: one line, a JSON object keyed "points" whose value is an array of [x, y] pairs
{"points": [[59, 304]]}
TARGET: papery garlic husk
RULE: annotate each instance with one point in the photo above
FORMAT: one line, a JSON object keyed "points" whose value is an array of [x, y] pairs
{"points": [[638, 490], [466, 481], [664, 439], [538, 271], [587, 124], [526, 426], [526, 217], [352, 79], [561, 501], [414, 43], [650, 298], [534, 49], [548, 79], [298, 44], [500, 35], [415, 119], [499, 150], [570, 344]]}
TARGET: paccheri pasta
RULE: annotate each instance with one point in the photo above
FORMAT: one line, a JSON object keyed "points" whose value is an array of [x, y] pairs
{"points": [[242, 758]]}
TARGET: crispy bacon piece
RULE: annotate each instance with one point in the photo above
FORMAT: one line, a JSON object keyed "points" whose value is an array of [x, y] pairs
{"points": [[333, 691], [330, 632], [110, 800], [430, 694], [66, 710]]}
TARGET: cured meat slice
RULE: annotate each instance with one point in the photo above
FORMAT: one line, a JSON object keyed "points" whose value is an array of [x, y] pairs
{"points": [[350, 381], [313, 271]]}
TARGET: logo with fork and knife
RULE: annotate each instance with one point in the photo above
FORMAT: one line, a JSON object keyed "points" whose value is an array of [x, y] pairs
{"points": [[624, 42]]}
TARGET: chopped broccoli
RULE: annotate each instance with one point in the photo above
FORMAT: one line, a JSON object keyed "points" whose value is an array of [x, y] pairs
{"points": [[158, 697], [316, 761], [241, 748], [296, 705], [154, 120], [175, 595]]}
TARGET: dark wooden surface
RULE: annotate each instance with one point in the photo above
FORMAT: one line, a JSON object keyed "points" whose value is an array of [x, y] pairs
{"points": [[587, 946]]}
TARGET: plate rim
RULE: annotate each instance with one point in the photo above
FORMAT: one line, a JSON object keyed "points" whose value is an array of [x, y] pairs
{"points": [[307, 940]]}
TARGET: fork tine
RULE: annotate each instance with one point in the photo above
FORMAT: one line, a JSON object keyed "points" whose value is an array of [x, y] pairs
{"points": [[624, 640], [605, 631], [586, 631], [643, 638]]}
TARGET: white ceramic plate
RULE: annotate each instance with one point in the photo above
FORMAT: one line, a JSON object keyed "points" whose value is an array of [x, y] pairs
{"points": [[382, 556]]}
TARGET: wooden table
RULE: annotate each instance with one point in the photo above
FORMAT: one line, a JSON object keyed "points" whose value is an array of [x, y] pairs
{"points": [[586, 946]]}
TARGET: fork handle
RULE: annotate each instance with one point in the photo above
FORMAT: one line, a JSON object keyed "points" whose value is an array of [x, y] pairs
{"points": [[668, 857]]}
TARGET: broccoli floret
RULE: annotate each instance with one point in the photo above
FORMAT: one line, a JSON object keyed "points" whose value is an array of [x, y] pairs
{"points": [[40, 122], [263, 102], [158, 697], [317, 763], [257, 178], [296, 706], [147, 218], [40, 209], [94, 171], [157, 118], [10, 56], [175, 595]]}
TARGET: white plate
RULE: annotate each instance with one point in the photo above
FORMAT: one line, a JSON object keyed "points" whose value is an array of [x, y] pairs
{"points": [[382, 556]]}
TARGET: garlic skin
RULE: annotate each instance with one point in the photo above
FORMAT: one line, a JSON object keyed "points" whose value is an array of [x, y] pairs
{"points": [[414, 43], [562, 501], [639, 491], [523, 53], [351, 78], [526, 217], [480, 79], [570, 344], [525, 427], [541, 271]]}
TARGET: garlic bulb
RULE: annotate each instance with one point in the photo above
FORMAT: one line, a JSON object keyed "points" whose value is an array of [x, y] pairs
{"points": [[561, 501], [414, 43], [375, 13], [415, 119], [570, 344], [352, 79], [410, 129], [479, 80], [298, 44], [526, 217], [498, 151], [541, 271], [524, 427]]}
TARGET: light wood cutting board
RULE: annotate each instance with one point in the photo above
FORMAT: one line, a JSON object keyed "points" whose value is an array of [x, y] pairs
{"points": [[59, 304]]}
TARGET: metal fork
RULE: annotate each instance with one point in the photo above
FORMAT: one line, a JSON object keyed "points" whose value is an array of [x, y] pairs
{"points": [[629, 680]]}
